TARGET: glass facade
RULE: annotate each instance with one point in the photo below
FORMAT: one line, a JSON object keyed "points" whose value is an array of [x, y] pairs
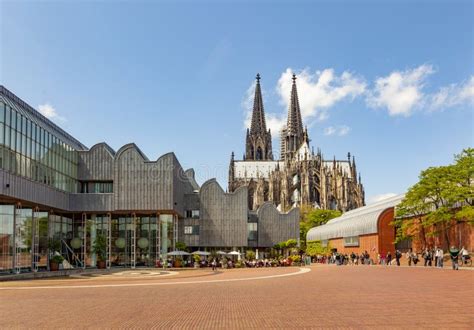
{"points": [[28, 150], [7, 245], [133, 241]]}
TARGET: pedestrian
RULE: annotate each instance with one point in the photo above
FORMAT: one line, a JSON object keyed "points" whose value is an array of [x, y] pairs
{"points": [[398, 255], [366, 258], [214, 265], [415, 257], [440, 253], [464, 255], [409, 256], [427, 256], [436, 256], [353, 258], [389, 258], [454, 253]]}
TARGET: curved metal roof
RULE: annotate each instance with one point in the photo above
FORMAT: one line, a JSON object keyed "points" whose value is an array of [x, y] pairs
{"points": [[357, 222]]}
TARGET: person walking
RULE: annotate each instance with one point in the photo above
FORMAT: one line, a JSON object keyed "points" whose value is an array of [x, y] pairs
{"points": [[464, 255], [414, 257], [440, 254], [353, 258], [409, 256], [427, 256], [389, 258], [436, 256], [214, 265], [398, 255], [454, 253]]}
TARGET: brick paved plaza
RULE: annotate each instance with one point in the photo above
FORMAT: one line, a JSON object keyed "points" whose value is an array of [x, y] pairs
{"points": [[326, 296]]}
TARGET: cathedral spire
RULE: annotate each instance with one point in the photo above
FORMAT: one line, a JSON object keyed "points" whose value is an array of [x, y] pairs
{"points": [[258, 144], [294, 123], [258, 124], [294, 133]]}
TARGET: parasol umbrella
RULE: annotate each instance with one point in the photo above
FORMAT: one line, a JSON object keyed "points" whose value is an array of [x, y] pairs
{"points": [[178, 253], [202, 253]]}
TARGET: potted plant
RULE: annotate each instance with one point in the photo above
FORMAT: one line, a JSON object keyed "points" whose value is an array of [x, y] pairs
{"points": [[197, 260], [54, 247], [178, 262], [100, 249], [54, 262]]}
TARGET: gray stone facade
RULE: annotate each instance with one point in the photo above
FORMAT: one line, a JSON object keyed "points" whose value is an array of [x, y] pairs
{"points": [[134, 186]]}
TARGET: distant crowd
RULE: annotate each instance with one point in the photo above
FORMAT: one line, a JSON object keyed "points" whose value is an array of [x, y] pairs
{"points": [[431, 256]]}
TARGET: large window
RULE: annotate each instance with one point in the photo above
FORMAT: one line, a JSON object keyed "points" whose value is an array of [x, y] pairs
{"points": [[194, 214], [26, 149], [6, 237], [351, 241], [252, 231], [191, 230], [102, 187]]}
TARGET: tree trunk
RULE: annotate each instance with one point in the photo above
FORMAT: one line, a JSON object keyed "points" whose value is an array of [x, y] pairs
{"points": [[446, 235], [423, 233]]}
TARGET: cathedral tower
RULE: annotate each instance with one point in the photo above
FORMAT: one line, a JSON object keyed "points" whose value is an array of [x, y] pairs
{"points": [[292, 136], [258, 144]]}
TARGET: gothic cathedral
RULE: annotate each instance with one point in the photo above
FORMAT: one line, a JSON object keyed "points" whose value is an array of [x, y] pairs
{"points": [[300, 177]]}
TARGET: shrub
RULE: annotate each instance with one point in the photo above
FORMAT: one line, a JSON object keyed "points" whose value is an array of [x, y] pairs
{"points": [[57, 259], [250, 255]]}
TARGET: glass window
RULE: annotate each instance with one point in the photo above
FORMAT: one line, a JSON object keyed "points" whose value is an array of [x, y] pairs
{"points": [[188, 230], [252, 231], [23, 125], [13, 139], [351, 241], [18, 142], [18, 121], [2, 138], [2, 112], [13, 123], [7, 115], [7, 137], [28, 128]]}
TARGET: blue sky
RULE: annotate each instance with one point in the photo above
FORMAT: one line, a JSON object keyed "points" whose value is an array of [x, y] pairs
{"points": [[391, 82]]}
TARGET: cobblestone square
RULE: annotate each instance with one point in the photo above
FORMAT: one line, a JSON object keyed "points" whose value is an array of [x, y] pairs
{"points": [[313, 297]]}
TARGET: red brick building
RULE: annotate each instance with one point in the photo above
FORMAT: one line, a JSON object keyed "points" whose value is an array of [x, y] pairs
{"points": [[369, 229], [365, 229]]}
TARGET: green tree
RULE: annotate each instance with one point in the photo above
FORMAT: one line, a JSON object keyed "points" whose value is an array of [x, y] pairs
{"points": [[313, 248], [250, 255], [443, 197], [313, 218], [180, 246]]}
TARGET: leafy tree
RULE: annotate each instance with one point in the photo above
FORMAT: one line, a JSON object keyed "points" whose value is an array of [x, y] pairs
{"points": [[443, 197], [250, 255], [312, 218], [313, 248], [180, 246]]}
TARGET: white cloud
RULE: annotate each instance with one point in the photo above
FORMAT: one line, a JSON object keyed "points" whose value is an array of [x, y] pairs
{"points": [[401, 91], [49, 112], [319, 91], [453, 95], [275, 123], [380, 197], [337, 130]]}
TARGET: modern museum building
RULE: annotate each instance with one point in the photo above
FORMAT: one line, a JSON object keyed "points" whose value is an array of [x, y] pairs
{"points": [[56, 191]]}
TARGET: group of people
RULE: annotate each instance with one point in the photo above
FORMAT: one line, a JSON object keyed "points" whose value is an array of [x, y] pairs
{"points": [[435, 257], [432, 257]]}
